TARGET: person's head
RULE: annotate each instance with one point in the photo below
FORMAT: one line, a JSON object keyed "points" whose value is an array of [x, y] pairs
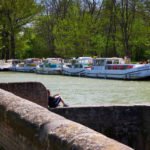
{"points": [[48, 92]]}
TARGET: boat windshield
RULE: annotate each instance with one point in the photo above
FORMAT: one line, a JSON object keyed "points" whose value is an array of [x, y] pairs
{"points": [[78, 66], [99, 62], [106, 61], [112, 61], [83, 60], [53, 60]]}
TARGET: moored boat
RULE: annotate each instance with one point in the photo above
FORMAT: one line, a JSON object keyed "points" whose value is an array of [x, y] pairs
{"points": [[115, 68], [4, 66], [28, 65], [78, 66], [51, 66], [13, 63], [7, 65]]}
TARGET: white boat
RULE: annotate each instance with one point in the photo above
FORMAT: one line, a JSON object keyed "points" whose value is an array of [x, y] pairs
{"points": [[50, 66], [7, 65], [115, 68], [13, 63], [78, 66], [4, 66], [28, 65]]}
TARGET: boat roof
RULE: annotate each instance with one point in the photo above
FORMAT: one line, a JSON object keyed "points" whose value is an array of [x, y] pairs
{"points": [[54, 58], [12, 59], [33, 59], [107, 58], [84, 58]]}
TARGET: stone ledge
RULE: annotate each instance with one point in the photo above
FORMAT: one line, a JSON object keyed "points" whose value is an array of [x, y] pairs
{"points": [[35, 127]]}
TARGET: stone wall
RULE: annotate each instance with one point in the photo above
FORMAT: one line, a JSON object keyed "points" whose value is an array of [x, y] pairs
{"points": [[33, 91], [27, 126], [128, 124]]}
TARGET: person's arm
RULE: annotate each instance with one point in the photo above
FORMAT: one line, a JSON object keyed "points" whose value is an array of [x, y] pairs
{"points": [[55, 95]]}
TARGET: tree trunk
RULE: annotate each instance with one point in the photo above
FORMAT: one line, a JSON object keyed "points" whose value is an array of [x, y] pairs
{"points": [[125, 26], [114, 27], [12, 44], [5, 43], [126, 37]]}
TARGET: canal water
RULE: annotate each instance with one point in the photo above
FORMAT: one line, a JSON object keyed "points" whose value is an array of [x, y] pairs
{"points": [[77, 91]]}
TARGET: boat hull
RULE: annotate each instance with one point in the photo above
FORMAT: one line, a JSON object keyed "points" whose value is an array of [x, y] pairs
{"points": [[49, 72], [25, 69], [138, 73], [74, 72]]}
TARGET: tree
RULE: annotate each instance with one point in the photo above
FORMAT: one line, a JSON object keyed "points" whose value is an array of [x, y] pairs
{"points": [[70, 28], [140, 39], [78, 33], [16, 14]]}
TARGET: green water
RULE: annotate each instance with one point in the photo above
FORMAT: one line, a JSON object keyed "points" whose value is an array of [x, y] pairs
{"points": [[87, 91]]}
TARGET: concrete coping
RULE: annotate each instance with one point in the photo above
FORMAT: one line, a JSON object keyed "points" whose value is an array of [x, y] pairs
{"points": [[50, 130]]}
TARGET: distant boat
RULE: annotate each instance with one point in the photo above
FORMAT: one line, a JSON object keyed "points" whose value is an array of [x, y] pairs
{"points": [[7, 65], [13, 63], [78, 66], [4, 66], [28, 65], [50, 66], [115, 68]]}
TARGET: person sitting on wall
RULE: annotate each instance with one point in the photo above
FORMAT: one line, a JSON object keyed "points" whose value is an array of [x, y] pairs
{"points": [[53, 101]]}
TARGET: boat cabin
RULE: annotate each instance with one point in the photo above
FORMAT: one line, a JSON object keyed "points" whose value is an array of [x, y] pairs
{"points": [[82, 62], [13, 61], [51, 63], [112, 63], [107, 61], [53, 60]]}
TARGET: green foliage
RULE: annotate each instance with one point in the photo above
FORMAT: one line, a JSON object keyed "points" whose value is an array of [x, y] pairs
{"points": [[15, 14], [75, 28], [74, 35]]}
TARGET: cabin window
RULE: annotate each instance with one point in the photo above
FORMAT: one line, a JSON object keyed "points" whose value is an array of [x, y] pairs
{"points": [[53, 65], [116, 62], [41, 65], [78, 66], [109, 62], [46, 65], [118, 67], [99, 62]]}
